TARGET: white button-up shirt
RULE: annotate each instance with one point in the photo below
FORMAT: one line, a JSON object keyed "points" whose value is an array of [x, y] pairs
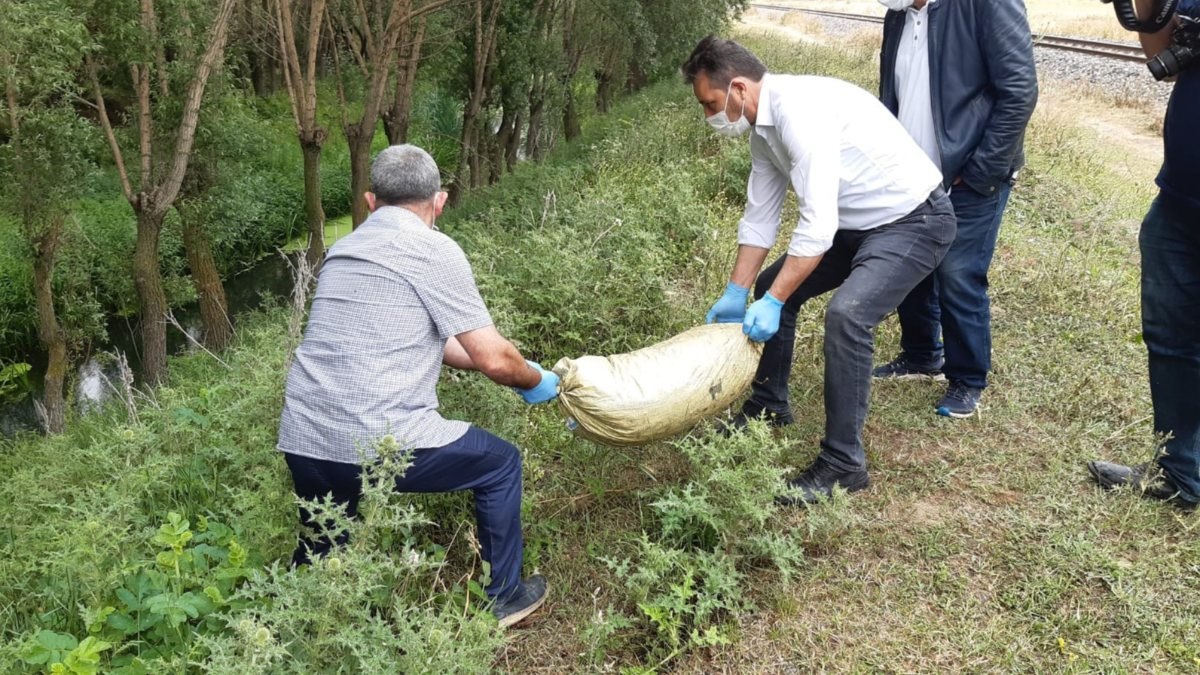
{"points": [[912, 82], [852, 165]]}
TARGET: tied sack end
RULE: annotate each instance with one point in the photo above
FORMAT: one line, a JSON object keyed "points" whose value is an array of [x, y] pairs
{"points": [[659, 391]]}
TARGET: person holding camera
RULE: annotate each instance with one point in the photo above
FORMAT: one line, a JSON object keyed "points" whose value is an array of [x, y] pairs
{"points": [[1170, 248], [960, 76]]}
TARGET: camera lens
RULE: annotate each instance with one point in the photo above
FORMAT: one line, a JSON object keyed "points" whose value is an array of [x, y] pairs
{"points": [[1164, 65]]}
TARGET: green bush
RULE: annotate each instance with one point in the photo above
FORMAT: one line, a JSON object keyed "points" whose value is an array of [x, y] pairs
{"points": [[687, 577]]}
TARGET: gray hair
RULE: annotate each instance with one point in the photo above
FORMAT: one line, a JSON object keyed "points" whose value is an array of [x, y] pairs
{"points": [[404, 174]]}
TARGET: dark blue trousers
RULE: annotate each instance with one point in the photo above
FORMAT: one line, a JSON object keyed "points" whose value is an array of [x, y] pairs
{"points": [[479, 461], [952, 303], [1170, 244]]}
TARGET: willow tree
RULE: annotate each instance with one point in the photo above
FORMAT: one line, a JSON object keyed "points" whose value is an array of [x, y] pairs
{"points": [[370, 32], [156, 62], [299, 36], [41, 46]]}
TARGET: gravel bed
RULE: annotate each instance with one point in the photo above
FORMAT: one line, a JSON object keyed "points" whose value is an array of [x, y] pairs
{"points": [[1119, 79]]}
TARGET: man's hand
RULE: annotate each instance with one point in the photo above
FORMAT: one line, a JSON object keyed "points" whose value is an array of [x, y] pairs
{"points": [[731, 307], [762, 319], [545, 391]]}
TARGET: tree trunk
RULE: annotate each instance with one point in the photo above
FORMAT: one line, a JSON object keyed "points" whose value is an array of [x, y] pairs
{"points": [[214, 309], [458, 188], [152, 300], [310, 145], [604, 91], [533, 135], [50, 333], [360, 171], [571, 128], [396, 119], [499, 161], [513, 150]]}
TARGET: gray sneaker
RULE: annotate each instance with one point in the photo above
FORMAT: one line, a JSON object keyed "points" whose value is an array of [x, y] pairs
{"points": [[900, 368], [526, 600]]}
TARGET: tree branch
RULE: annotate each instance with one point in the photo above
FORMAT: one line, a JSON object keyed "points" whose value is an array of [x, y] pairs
{"points": [[166, 193], [115, 147]]}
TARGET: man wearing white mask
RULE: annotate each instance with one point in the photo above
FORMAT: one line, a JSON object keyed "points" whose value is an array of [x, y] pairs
{"points": [[874, 221], [960, 76]]}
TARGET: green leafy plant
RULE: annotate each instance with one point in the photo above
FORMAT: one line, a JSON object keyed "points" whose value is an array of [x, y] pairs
{"points": [[160, 608]]}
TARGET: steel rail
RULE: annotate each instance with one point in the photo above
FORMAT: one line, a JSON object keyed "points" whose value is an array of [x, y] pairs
{"points": [[1099, 48]]}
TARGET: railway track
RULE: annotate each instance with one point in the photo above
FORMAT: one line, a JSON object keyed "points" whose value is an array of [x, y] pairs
{"points": [[1098, 48]]}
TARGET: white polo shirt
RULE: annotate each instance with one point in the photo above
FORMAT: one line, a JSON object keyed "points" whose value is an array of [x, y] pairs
{"points": [[912, 82], [851, 163]]}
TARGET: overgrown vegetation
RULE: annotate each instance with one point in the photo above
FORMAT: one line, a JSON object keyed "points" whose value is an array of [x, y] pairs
{"points": [[979, 548]]}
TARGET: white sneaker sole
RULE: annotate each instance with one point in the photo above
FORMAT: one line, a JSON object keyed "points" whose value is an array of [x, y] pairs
{"points": [[914, 376], [518, 617]]}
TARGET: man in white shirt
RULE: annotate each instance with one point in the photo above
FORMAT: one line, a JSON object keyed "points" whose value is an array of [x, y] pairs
{"points": [[960, 76], [874, 221]]}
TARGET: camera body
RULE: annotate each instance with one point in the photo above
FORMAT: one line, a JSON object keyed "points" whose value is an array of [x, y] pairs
{"points": [[1185, 38], [1183, 52]]}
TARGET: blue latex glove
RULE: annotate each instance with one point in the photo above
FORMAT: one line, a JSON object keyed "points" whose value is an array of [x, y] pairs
{"points": [[731, 307], [762, 319], [546, 390]]}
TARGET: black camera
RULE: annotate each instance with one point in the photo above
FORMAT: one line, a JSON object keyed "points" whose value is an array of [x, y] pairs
{"points": [[1185, 47], [1185, 39]]}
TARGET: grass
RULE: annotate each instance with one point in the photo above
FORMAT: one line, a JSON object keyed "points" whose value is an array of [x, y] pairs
{"points": [[335, 228], [982, 546]]}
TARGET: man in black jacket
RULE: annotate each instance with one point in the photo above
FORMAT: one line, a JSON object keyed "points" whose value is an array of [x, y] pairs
{"points": [[960, 76]]}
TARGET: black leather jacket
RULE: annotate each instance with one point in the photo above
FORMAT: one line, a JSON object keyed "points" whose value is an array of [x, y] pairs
{"points": [[983, 83]]}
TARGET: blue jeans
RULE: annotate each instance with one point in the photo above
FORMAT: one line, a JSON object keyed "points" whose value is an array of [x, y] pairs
{"points": [[479, 461], [954, 299], [872, 271], [1170, 244]]}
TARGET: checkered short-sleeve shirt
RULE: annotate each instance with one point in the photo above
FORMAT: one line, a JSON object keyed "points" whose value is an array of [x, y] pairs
{"points": [[388, 297]]}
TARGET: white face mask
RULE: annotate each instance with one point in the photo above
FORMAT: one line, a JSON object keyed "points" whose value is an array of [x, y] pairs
{"points": [[721, 124], [897, 5]]}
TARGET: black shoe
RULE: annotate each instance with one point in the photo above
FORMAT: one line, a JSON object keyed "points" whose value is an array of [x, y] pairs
{"points": [[528, 597], [960, 401], [900, 368], [817, 483], [1147, 479], [740, 421]]}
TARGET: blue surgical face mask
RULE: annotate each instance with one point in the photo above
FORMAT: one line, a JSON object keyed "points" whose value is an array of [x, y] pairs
{"points": [[721, 124]]}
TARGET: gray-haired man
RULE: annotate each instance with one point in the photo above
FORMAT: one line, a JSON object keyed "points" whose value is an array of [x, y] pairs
{"points": [[395, 300]]}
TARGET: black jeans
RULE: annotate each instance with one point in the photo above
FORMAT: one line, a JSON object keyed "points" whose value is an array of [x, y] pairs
{"points": [[479, 461], [872, 270]]}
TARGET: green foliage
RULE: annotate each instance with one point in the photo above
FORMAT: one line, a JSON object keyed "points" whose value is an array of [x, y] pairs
{"points": [[159, 609], [375, 605], [688, 576], [14, 381]]}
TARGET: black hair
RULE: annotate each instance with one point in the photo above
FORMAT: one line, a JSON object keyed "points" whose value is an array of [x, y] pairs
{"points": [[722, 60]]}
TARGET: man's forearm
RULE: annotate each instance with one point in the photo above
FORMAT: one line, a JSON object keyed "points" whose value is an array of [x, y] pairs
{"points": [[748, 264], [1153, 43], [455, 356], [794, 272]]}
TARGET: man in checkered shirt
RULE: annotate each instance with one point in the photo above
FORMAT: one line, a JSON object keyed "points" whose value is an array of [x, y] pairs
{"points": [[395, 300]]}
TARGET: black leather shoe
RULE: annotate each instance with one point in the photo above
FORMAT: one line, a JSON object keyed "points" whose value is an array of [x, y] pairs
{"points": [[1146, 478], [528, 597], [817, 483], [740, 421]]}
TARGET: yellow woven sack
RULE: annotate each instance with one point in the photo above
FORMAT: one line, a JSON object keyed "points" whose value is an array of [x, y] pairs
{"points": [[660, 391]]}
